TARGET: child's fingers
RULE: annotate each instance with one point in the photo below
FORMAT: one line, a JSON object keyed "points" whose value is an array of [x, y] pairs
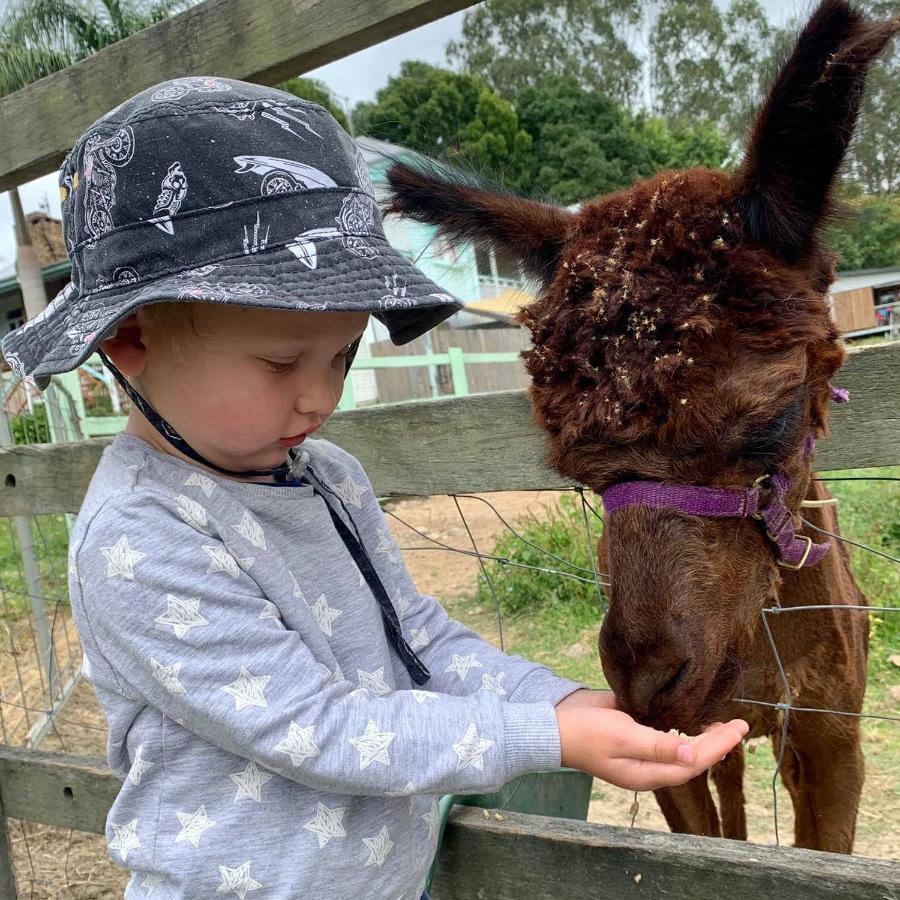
{"points": [[663, 747]]}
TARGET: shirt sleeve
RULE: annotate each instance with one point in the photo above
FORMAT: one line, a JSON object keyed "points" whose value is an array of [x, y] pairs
{"points": [[460, 662], [170, 618]]}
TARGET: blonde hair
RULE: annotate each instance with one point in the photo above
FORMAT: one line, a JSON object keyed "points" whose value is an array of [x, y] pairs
{"points": [[175, 323]]}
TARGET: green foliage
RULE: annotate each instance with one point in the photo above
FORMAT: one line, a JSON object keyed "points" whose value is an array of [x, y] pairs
{"points": [[39, 37], [512, 44], [31, 428], [870, 238], [318, 92], [527, 591], [448, 116], [584, 144]]}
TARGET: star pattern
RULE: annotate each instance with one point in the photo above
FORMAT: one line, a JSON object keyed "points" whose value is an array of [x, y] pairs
{"points": [[470, 749], [250, 782], [350, 492], [223, 561], [167, 676], [298, 594], [138, 766], [324, 614], [270, 611], [491, 683], [250, 529], [299, 743], [373, 745], [373, 681], [121, 558], [126, 838], [422, 696], [237, 881], [204, 482], [193, 825], [85, 666], [150, 882], [193, 513], [247, 689], [433, 820], [379, 847], [462, 664], [419, 639], [182, 615], [386, 546], [327, 823]]}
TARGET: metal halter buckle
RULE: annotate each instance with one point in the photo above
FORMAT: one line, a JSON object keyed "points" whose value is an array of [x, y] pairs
{"points": [[802, 563]]}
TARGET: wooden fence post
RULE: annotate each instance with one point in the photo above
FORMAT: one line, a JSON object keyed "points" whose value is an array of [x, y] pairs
{"points": [[458, 371], [7, 872]]}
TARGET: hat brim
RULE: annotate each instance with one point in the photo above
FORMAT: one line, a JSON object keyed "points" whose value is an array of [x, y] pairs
{"points": [[318, 274]]}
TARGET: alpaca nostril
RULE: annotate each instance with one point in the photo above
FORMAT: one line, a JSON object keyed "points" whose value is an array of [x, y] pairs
{"points": [[654, 680]]}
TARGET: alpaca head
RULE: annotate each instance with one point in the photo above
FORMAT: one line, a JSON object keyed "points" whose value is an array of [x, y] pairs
{"points": [[681, 334]]}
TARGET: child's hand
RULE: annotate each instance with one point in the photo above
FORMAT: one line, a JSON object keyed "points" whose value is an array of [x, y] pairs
{"points": [[609, 744], [588, 698]]}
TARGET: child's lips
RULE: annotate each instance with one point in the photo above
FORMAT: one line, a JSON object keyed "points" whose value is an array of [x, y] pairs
{"points": [[297, 438]]}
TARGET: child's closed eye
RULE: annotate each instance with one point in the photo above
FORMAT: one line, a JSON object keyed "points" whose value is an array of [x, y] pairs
{"points": [[279, 367]]}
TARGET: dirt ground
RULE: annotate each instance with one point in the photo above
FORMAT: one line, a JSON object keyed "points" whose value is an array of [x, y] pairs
{"points": [[55, 863]]}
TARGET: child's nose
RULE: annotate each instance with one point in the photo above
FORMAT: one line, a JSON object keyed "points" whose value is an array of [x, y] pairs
{"points": [[318, 395]]}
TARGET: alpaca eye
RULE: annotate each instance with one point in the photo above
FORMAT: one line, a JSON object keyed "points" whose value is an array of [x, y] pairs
{"points": [[777, 436]]}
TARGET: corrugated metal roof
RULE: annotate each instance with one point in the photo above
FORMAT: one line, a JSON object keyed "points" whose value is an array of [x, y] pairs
{"points": [[874, 278]]}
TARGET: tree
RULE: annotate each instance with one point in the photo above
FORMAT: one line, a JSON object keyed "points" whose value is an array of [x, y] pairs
{"points": [[512, 44], [448, 116], [705, 66], [584, 144], [870, 237], [318, 92]]}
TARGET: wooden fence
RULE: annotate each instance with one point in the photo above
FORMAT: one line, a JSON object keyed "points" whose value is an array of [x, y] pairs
{"points": [[486, 442]]}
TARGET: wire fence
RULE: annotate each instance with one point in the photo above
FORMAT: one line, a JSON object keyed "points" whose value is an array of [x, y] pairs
{"points": [[36, 672]]}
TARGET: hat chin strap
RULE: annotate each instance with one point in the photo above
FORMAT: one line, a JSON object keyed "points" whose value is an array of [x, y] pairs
{"points": [[285, 472]]}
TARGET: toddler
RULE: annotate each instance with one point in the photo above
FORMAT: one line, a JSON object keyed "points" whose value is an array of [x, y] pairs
{"points": [[284, 707]]}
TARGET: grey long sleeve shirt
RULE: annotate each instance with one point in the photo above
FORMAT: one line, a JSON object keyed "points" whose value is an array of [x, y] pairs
{"points": [[270, 741]]}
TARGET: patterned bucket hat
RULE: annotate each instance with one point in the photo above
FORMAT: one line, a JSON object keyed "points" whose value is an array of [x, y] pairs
{"points": [[216, 190]]}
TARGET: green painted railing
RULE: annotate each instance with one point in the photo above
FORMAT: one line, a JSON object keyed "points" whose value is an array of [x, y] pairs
{"points": [[454, 357]]}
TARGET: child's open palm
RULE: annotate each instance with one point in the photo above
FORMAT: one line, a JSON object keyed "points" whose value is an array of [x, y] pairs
{"points": [[606, 742]]}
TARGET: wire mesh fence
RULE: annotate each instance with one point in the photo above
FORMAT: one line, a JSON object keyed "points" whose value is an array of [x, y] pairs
{"points": [[56, 863]]}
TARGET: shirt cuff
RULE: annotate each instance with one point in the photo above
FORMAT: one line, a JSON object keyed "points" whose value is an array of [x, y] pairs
{"points": [[530, 737], [542, 684]]}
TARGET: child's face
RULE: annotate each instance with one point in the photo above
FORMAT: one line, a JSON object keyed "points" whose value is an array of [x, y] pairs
{"points": [[248, 379]]}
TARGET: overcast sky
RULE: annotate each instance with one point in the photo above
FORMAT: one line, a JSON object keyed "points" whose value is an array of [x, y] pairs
{"points": [[352, 79]]}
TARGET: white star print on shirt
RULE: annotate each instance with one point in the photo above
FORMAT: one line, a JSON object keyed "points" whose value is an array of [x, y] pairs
{"points": [[193, 513], [223, 561], [386, 545], [250, 782], [237, 881], [206, 484], [419, 639], [167, 676], [327, 823], [324, 614], [182, 615], [379, 847], [85, 666], [491, 683], [250, 529], [471, 749], [297, 592], [433, 820], [126, 838], [121, 559], [139, 766], [270, 611], [299, 743], [247, 690], [462, 664], [422, 696], [150, 882], [350, 492], [373, 745], [373, 681], [193, 825], [402, 604]]}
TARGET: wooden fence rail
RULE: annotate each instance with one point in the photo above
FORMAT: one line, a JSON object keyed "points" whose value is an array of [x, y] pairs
{"points": [[510, 856]]}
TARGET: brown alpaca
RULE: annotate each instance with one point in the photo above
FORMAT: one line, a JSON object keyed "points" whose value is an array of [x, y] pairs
{"points": [[681, 336]]}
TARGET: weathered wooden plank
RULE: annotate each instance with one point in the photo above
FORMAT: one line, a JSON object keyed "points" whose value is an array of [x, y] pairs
{"points": [[544, 859], [486, 442], [262, 42], [7, 871], [59, 789], [516, 856]]}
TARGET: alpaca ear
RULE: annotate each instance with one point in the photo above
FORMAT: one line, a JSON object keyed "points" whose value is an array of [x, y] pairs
{"points": [[784, 183], [466, 207]]}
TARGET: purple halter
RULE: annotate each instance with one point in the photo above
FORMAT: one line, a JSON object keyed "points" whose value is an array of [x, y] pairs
{"points": [[793, 551]]}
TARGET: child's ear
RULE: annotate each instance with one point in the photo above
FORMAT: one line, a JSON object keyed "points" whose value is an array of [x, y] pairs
{"points": [[126, 349]]}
